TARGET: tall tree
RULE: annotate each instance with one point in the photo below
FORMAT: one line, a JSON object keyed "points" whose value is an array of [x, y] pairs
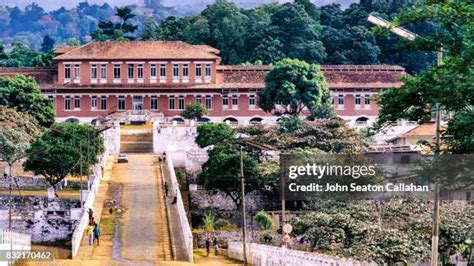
{"points": [[213, 133], [67, 149], [295, 85], [449, 84], [121, 31], [47, 45], [23, 94]]}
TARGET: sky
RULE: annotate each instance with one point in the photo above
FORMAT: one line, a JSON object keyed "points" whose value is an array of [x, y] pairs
{"points": [[55, 4]]}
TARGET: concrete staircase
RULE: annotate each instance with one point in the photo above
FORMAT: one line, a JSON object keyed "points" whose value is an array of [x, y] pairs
{"points": [[137, 139]]}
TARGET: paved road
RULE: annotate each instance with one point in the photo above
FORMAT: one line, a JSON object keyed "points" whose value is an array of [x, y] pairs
{"points": [[144, 231]]}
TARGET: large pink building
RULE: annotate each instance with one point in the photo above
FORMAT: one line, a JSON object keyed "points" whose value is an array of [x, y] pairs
{"points": [[139, 81]]}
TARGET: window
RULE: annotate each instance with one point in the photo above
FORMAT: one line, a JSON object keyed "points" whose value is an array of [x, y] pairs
{"points": [[235, 99], [51, 99], [153, 71], [94, 71], [208, 71], [340, 99], [181, 102], [77, 72], [140, 71], [225, 100], [198, 72], [94, 102], [198, 99], [103, 71], [171, 103], [103, 103], [252, 100], [357, 99], [67, 103], [208, 102], [77, 102], [117, 71], [175, 71], [367, 99], [130, 71], [67, 71], [121, 103], [163, 71], [185, 71], [154, 103]]}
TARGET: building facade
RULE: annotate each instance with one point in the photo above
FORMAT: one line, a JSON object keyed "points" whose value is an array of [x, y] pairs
{"points": [[155, 79]]}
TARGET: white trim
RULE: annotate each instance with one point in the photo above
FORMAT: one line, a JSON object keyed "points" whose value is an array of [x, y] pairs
{"points": [[158, 62], [203, 62], [180, 62], [103, 81], [130, 81], [117, 81], [98, 63], [117, 63], [140, 80], [72, 63], [93, 81], [135, 62]]}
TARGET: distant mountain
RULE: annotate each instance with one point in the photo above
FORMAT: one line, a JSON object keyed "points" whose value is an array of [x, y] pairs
{"points": [[185, 6]]}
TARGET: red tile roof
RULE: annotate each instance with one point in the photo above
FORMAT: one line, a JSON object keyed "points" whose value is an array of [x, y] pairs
{"points": [[64, 49], [138, 50], [427, 129], [338, 76]]}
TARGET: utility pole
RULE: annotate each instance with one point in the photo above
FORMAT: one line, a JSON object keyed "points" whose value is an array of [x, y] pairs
{"points": [[435, 232], [406, 34], [244, 220]]}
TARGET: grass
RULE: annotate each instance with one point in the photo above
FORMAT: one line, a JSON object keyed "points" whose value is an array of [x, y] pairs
{"points": [[65, 193]]}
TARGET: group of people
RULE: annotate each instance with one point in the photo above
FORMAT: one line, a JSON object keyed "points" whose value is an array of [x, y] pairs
{"points": [[215, 244], [93, 229]]}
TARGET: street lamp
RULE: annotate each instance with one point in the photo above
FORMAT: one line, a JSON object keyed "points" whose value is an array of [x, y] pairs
{"points": [[408, 35]]}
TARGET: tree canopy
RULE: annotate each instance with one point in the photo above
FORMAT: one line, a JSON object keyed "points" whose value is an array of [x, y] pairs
{"points": [[194, 111], [67, 149], [23, 94], [449, 84], [17, 132], [295, 85], [213, 133], [120, 31]]}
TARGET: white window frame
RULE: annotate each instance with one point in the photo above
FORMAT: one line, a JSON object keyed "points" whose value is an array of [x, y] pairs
{"points": [[357, 101], [94, 103], [103, 99], [77, 103], [198, 73], [171, 102], [181, 102], [162, 73], [175, 73], [367, 101], [208, 72], [67, 103], [103, 73], [340, 102], [198, 99], [185, 72], [117, 68], [77, 73], [94, 73], [67, 73], [235, 101], [153, 73], [252, 101], [130, 70], [140, 73], [154, 101], [121, 100], [208, 102], [225, 101]]}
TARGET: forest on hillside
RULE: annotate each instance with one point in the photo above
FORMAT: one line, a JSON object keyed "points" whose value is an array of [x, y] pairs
{"points": [[260, 35]]}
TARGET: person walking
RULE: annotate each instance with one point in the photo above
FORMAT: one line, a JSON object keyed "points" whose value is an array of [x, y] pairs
{"points": [[90, 233], [216, 246], [91, 214], [167, 188], [208, 246], [96, 233]]}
